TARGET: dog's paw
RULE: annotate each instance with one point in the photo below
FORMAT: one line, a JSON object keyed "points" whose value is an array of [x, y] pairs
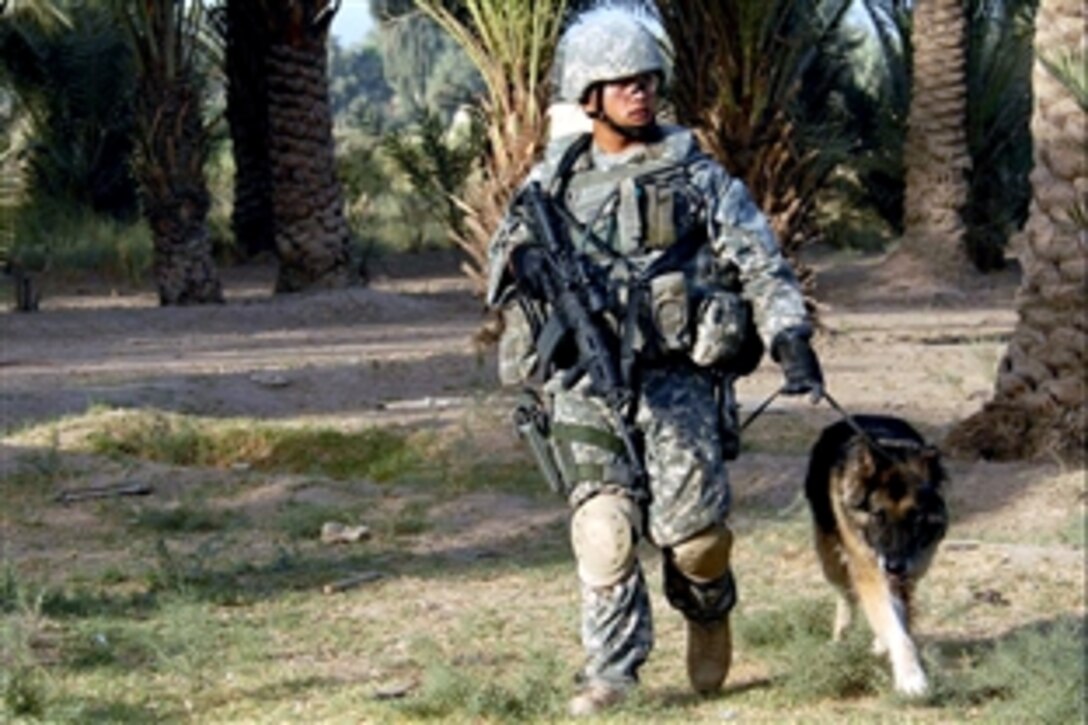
{"points": [[911, 681], [879, 648]]}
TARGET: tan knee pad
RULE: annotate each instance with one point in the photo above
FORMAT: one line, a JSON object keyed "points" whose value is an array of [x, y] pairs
{"points": [[602, 533], [704, 557]]}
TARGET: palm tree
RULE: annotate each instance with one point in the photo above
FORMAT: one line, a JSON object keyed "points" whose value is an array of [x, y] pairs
{"points": [[20, 21], [740, 71], [44, 13], [512, 44], [311, 233], [936, 154], [1038, 404], [244, 34], [172, 145], [999, 62], [76, 86]]}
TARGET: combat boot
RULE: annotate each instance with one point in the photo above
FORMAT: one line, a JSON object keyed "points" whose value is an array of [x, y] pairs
{"points": [[595, 697], [710, 651]]}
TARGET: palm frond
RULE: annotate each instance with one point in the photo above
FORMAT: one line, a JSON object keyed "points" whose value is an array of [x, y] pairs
{"points": [[741, 71], [1071, 70], [512, 43]]}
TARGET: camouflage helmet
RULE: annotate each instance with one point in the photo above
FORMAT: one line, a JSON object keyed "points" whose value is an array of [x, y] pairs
{"points": [[605, 44]]}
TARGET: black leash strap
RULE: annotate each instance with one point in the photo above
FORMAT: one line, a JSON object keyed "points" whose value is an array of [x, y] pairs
{"points": [[862, 433], [759, 410], [850, 420]]}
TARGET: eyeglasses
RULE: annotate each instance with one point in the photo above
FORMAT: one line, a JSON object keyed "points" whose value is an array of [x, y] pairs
{"points": [[645, 82]]}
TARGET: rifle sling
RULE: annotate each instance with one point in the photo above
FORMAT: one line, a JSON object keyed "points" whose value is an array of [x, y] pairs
{"points": [[565, 435], [575, 433], [566, 162]]}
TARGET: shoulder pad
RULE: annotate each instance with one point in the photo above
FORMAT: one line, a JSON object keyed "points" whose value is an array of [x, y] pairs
{"points": [[678, 145]]}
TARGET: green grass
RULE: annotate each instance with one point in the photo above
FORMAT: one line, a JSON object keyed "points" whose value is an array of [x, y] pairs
{"points": [[58, 238], [1035, 674], [384, 455], [206, 610], [455, 689], [1075, 532], [185, 518], [462, 658], [810, 667], [40, 469], [302, 521], [380, 454]]}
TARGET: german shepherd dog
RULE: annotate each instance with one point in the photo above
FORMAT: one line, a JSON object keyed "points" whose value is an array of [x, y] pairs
{"points": [[879, 515]]}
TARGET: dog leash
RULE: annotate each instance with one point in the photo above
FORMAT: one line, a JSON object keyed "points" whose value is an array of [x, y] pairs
{"points": [[760, 408], [824, 395]]}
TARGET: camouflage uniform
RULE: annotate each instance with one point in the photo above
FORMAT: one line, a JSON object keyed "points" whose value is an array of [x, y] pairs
{"points": [[677, 414]]}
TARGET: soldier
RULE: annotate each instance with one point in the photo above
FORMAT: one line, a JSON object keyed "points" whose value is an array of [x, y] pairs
{"points": [[694, 286]]}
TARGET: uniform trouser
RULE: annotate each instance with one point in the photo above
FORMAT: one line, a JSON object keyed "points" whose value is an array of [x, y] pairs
{"points": [[687, 493]]}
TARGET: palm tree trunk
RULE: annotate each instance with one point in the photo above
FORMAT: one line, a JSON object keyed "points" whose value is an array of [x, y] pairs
{"points": [[1038, 406], [936, 155], [246, 37], [175, 194], [312, 236]]}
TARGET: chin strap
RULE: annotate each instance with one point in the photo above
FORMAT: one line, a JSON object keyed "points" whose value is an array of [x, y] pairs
{"points": [[643, 134]]}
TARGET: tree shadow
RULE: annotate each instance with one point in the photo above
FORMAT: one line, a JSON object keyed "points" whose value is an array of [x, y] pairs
{"points": [[103, 710], [1025, 663], [381, 389], [971, 649], [674, 697]]}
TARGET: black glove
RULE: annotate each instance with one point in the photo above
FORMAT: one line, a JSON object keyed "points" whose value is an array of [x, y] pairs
{"points": [[530, 265], [791, 350]]}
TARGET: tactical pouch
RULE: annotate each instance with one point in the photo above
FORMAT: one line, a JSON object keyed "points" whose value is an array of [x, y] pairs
{"points": [[659, 212], [669, 304], [721, 325]]}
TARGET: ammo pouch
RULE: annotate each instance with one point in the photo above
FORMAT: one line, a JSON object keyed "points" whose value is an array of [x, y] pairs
{"points": [[721, 333], [669, 305]]}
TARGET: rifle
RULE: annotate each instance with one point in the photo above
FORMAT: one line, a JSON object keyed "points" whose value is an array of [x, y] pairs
{"points": [[577, 306]]}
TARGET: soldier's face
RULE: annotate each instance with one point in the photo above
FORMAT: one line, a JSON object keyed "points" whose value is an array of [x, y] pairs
{"points": [[632, 101]]}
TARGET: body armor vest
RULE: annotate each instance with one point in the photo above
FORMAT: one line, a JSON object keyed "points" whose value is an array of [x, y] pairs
{"points": [[643, 225], [636, 209]]}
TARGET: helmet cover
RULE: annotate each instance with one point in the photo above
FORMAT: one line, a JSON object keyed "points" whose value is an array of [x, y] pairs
{"points": [[604, 44]]}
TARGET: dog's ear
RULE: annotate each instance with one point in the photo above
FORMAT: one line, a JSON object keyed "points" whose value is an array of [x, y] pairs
{"points": [[858, 475], [931, 456], [865, 461]]}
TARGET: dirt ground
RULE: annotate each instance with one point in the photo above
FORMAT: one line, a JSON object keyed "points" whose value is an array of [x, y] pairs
{"points": [[402, 351], [403, 347]]}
